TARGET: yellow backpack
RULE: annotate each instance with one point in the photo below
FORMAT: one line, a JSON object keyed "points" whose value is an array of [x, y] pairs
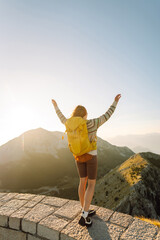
{"points": [[77, 134]]}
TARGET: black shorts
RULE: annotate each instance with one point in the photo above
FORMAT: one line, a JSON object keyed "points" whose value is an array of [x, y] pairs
{"points": [[88, 168]]}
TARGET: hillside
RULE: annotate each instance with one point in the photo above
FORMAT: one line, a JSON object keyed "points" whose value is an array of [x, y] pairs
{"points": [[39, 161], [132, 187]]}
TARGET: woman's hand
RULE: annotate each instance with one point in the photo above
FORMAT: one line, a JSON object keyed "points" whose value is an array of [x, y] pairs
{"points": [[54, 103], [117, 97]]}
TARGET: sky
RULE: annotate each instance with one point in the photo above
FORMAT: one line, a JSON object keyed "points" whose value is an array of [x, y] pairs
{"points": [[79, 53]]}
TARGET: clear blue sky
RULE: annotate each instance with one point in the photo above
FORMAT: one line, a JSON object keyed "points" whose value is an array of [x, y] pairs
{"points": [[79, 52]]}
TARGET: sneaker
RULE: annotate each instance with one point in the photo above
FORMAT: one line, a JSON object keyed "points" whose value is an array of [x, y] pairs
{"points": [[91, 212], [85, 221]]}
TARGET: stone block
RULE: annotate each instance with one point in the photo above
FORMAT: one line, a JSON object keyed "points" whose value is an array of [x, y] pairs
{"points": [[30, 204], [8, 208], [6, 211], [140, 230], [69, 210], [28, 226], [100, 230], [34, 201], [31, 237], [14, 223], [9, 234], [3, 221], [36, 214], [15, 218], [114, 231], [55, 201], [50, 227], [121, 219], [20, 213], [39, 212], [104, 213], [8, 197], [38, 198], [14, 203], [74, 231], [25, 196]]}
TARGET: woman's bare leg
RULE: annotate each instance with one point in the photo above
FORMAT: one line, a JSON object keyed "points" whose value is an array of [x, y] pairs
{"points": [[89, 194], [82, 189]]}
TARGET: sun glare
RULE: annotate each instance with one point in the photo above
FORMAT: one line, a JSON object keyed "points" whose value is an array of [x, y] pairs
{"points": [[19, 119], [22, 117]]}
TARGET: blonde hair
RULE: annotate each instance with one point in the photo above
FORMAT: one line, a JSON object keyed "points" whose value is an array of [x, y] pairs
{"points": [[79, 111]]}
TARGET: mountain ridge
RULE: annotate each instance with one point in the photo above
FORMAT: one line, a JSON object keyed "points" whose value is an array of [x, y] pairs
{"points": [[40, 158], [132, 187]]}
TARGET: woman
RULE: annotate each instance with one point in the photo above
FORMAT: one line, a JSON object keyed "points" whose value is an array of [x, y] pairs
{"points": [[87, 163]]}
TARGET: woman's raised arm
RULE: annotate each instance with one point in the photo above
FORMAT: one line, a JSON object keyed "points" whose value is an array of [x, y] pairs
{"points": [[62, 118], [97, 122]]}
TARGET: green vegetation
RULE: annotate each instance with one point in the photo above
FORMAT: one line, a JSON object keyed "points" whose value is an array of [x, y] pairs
{"points": [[135, 171]]}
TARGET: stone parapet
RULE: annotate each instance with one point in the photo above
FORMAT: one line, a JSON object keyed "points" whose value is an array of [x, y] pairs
{"points": [[40, 217]]}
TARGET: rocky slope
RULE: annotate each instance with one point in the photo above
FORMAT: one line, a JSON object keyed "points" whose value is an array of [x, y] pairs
{"points": [[132, 187]]}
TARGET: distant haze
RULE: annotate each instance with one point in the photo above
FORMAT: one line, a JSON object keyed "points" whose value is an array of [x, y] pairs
{"points": [[79, 52], [146, 142]]}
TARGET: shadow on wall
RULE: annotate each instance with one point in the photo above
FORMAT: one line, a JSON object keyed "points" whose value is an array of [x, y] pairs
{"points": [[101, 229]]}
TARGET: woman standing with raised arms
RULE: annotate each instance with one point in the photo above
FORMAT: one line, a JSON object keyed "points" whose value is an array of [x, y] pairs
{"points": [[87, 163]]}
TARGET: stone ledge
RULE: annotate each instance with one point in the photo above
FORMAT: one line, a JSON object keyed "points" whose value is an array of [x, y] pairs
{"points": [[40, 217]]}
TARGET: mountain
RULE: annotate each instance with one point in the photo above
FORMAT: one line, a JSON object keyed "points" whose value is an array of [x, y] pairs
{"points": [[138, 149], [39, 161], [139, 143], [132, 187], [33, 141]]}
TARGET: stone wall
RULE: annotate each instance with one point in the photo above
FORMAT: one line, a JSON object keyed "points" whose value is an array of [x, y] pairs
{"points": [[33, 217]]}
